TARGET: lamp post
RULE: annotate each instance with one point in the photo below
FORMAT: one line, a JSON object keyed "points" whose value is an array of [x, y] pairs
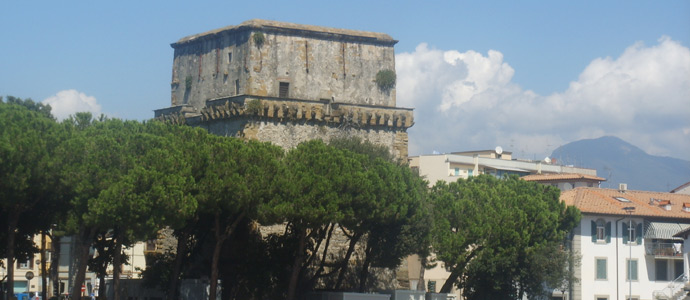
{"points": [[629, 210]]}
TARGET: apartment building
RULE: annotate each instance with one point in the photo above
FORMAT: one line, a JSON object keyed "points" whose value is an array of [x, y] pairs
{"points": [[627, 243]]}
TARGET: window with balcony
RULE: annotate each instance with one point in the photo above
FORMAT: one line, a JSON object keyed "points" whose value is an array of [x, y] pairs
{"points": [[664, 248]]}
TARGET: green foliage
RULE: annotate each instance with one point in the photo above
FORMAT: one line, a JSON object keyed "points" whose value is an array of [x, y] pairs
{"points": [[188, 82], [43, 109], [28, 203], [494, 235], [259, 39], [498, 238], [385, 79], [254, 107]]}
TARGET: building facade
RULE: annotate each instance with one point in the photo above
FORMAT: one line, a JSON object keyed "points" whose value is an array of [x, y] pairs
{"points": [[287, 83], [456, 165], [626, 243]]}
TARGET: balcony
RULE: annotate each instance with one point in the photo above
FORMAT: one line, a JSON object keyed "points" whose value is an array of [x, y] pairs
{"points": [[664, 249]]}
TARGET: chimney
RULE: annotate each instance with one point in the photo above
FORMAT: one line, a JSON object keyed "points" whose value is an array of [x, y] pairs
{"points": [[622, 187]]}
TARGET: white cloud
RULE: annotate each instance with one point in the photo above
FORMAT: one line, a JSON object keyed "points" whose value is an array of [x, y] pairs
{"points": [[68, 102], [467, 101]]}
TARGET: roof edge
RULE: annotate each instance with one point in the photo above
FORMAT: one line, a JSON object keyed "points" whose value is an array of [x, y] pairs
{"points": [[285, 27]]}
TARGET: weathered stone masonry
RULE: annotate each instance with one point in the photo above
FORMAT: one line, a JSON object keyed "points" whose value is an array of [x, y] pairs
{"points": [[290, 84]]}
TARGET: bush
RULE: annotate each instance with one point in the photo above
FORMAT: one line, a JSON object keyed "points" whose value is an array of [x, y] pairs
{"points": [[254, 106], [259, 39], [385, 79]]}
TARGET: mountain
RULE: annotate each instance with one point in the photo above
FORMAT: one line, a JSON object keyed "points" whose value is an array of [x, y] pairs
{"points": [[621, 162]]}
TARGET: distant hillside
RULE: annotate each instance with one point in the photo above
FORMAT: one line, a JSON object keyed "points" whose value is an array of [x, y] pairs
{"points": [[621, 162]]}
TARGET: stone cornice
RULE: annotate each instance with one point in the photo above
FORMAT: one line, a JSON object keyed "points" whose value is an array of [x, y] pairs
{"points": [[276, 109]]}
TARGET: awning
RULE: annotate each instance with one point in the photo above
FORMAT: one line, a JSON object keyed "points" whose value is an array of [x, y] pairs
{"points": [[664, 231], [505, 168]]}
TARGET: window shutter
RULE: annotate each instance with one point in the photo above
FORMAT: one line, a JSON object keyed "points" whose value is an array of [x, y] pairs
{"points": [[608, 232], [625, 233], [638, 232], [594, 232]]}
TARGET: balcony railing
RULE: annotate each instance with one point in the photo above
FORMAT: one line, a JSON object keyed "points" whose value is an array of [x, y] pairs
{"points": [[664, 249]]}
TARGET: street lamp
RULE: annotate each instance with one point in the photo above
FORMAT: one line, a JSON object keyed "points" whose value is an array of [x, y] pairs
{"points": [[629, 210]]}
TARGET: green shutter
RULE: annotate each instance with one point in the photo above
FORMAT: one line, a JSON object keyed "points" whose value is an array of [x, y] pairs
{"points": [[638, 232], [594, 232], [625, 233], [608, 232]]}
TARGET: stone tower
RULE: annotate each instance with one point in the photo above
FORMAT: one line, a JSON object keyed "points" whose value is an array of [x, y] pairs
{"points": [[287, 83]]}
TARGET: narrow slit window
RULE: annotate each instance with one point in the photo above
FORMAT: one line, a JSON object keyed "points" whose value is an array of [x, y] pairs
{"points": [[229, 57], [284, 90]]}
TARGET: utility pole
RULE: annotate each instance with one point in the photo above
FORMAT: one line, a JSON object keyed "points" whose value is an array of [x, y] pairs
{"points": [[629, 210]]}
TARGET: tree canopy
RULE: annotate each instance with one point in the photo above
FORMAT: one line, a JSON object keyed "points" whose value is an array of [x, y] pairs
{"points": [[493, 235], [319, 216]]}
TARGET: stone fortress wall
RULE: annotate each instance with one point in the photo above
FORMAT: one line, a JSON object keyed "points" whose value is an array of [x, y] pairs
{"points": [[296, 83], [314, 63]]}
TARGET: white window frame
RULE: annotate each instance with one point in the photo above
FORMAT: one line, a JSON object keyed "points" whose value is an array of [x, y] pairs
{"points": [[596, 268], [627, 271]]}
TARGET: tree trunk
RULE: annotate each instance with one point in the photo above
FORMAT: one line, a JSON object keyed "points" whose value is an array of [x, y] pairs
{"points": [[44, 279], [297, 265], [364, 274], [54, 263], [101, 287], [324, 256], [117, 264], [173, 288], [452, 278], [346, 260], [82, 245], [458, 270], [220, 239], [221, 236], [11, 236]]}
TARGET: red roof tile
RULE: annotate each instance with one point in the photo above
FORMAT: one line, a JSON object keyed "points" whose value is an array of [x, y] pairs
{"points": [[646, 203]]}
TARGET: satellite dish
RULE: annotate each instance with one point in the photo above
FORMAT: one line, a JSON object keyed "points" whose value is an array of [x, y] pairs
{"points": [[547, 160], [499, 150]]}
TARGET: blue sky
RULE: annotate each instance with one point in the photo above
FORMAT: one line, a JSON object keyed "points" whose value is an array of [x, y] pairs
{"points": [[526, 75]]}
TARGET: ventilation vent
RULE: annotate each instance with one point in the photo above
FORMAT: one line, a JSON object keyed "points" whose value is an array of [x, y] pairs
{"points": [[284, 90], [622, 187]]}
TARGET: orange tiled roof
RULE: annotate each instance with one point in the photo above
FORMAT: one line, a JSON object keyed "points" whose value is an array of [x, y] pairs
{"points": [[648, 204], [561, 176]]}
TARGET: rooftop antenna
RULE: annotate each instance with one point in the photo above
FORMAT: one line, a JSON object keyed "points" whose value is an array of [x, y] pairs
{"points": [[499, 150]]}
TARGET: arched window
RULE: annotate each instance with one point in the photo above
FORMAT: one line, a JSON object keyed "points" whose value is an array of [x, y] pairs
{"points": [[601, 231], [632, 232]]}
